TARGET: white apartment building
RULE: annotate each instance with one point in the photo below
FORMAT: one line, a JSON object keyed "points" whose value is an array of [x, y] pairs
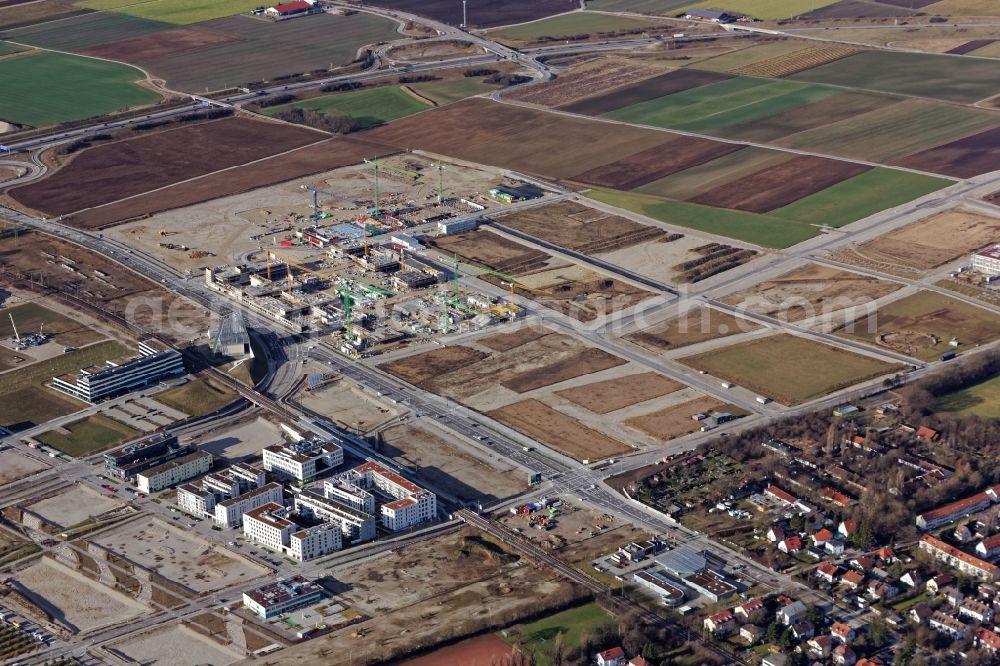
{"points": [[229, 513], [312, 542], [987, 261], [174, 471], [196, 501], [355, 525], [350, 494], [299, 460], [396, 515], [270, 526], [200, 500]]}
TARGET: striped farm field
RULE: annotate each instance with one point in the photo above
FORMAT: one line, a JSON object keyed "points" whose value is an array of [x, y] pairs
{"points": [[180, 12], [795, 61], [893, 131], [692, 182], [85, 31], [729, 62]]}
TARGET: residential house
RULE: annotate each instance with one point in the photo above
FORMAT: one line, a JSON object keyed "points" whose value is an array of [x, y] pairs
{"points": [[842, 632], [819, 647], [976, 610], [959, 559], [775, 534], [940, 581], [886, 555], [866, 661], [638, 661], [834, 547], [953, 511], [988, 640], [953, 596], [822, 536], [790, 545], [803, 629], [751, 633], [989, 547], [847, 527], [843, 655], [863, 563], [963, 534], [775, 659], [852, 580], [613, 657], [911, 579], [946, 624], [791, 613], [828, 571], [720, 624], [928, 434], [780, 495], [836, 497], [880, 589], [752, 611], [920, 613]]}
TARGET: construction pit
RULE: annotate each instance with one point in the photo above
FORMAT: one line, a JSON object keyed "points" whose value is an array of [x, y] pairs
{"points": [[550, 386], [179, 555]]}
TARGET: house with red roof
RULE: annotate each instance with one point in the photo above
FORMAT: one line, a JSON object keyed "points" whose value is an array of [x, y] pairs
{"points": [[847, 527], [822, 536], [836, 497], [852, 580], [953, 511], [987, 639], [959, 559], [781, 495], [612, 657], [843, 655], [842, 632], [790, 545], [752, 610], [989, 547], [928, 434], [828, 571], [720, 624]]}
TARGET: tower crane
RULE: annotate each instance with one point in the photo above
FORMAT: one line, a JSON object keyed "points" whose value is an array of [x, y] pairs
{"points": [[315, 204], [378, 167]]}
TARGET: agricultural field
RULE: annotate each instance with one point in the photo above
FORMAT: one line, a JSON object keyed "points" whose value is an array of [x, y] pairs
{"points": [[613, 394], [89, 435], [751, 54], [85, 88], [933, 241], [174, 11], [789, 63], [964, 158], [592, 78], [541, 141], [979, 400], [32, 317], [311, 159], [862, 9], [964, 8], [368, 108], [768, 9], [86, 31], [440, 93], [702, 178], [653, 7], [893, 131], [261, 50], [963, 80], [557, 430], [481, 13], [569, 25], [812, 290], [699, 324], [789, 369], [114, 171], [923, 324], [650, 88], [27, 13]]}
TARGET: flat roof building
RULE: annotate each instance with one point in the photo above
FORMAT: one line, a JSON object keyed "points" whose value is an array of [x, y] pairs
{"points": [[229, 513], [272, 526], [301, 460], [174, 472], [282, 596], [711, 585], [143, 454], [155, 362], [987, 261], [412, 504], [670, 593], [355, 525]]}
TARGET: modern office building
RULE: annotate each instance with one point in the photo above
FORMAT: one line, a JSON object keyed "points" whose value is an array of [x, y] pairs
{"points": [[357, 526], [143, 454], [282, 596], [303, 459], [155, 362], [173, 472]]}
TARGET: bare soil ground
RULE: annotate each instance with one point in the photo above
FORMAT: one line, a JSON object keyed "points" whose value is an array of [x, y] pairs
{"points": [[345, 403], [125, 168], [513, 137], [811, 290], [503, 342], [780, 185], [76, 600], [581, 228], [180, 556], [591, 78], [240, 441], [585, 362], [449, 467], [424, 594], [429, 366], [481, 13], [697, 325], [646, 166], [934, 241], [323, 156], [643, 91], [660, 259], [613, 394], [14, 466], [184, 646], [487, 248], [159, 44], [964, 158], [675, 421], [74, 505], [553, 428], [581, 293], [432, 51], [102, 282]]}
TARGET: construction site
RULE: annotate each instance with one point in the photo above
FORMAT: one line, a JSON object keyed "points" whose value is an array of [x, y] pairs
{"points": [[348, 256]]}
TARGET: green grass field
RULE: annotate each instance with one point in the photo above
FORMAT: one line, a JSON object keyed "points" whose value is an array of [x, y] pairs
{"points": [[48, 88], [652, 7], [979, 400], [7, 48], [893, 131], [537, 638], [737, 100], [759, 229], [569, 24], [446, 92], [197, 397], [766, 9], [858, 197], [179, 12], [931, 313], [789, 369], [368, 107], [90, 435], [964, 80]]}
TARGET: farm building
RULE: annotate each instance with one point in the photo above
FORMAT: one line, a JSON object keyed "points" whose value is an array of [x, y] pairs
{"points": [[292, 9], [987, 261], [709, 15]]}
